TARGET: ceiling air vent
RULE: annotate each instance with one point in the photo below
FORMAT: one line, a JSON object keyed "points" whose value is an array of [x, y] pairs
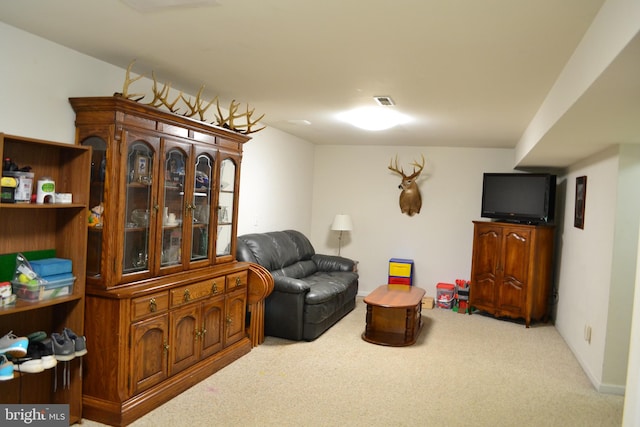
{"points": [[385, 101]]}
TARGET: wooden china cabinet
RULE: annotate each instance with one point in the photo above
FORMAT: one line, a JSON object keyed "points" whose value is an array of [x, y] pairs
{"points": [[511, 269], [166, 300]]}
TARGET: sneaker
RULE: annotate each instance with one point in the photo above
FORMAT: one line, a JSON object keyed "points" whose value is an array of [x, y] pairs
{"points": [[47, 354], [63, 347], [28, 365], [32, 362], [79, 342], [13, 345], [6, 368], [37, 336]]}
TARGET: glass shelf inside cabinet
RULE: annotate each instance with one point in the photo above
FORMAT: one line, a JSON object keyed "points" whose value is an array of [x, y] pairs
{"points": [[174, 179], [201, 207], [225, 207], [99, 168], [139, 214]]}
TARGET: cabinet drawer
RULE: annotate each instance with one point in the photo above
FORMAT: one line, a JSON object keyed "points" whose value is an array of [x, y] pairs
{"points": [[194, 291], [236, 280], [149, 304]]}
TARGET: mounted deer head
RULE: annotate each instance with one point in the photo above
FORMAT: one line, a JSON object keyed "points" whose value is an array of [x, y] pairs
{"points": [[410, 198]]}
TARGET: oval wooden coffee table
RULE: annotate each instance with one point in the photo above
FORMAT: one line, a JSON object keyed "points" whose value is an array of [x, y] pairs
{"points": [[394, 315]]}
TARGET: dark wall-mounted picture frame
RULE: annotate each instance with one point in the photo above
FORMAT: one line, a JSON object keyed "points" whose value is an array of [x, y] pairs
{"points": [[581, 196]]}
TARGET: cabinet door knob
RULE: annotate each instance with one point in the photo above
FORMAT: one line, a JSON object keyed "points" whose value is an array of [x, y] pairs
{"points": [[165, 347], [187, 295], [153, 306], [229, 320]]}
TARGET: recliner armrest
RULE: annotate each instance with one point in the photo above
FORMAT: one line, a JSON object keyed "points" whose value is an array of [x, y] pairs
{"points": [[333, 263], [290, 285]]}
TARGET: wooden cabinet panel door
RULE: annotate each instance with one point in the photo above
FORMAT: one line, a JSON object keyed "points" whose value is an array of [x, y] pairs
{"points": [[235, 316], [148, 361], [512, 289], [185, 333], [213, 326], [485, 265]]}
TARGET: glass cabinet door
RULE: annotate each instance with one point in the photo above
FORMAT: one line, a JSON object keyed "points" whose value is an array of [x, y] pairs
{"points": [[201, 207], [138, 208], [96, 204], [173, 207], [226, 207]]}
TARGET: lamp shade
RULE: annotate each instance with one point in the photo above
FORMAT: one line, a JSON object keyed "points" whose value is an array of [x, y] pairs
{"points": [[342, 222]]}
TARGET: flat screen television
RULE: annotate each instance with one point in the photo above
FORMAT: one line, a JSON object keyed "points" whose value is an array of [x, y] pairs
{"points": [[527, 198]]}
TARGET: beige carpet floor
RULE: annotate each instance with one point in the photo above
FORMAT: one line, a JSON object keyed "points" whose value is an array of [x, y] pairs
{"points": [[463, 371]]}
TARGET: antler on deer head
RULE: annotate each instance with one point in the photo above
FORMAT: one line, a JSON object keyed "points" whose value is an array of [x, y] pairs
{"points": [[410, 198], [415, 165]]}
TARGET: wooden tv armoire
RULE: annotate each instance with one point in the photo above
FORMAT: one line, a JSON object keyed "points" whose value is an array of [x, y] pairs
{"points": [[511, 270]]}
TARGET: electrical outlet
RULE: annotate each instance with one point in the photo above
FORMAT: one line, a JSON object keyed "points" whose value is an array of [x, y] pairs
{"points": [[587, 333]]}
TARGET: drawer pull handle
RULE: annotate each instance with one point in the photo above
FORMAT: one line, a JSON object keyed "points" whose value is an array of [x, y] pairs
{"points": [[153, 306], [187, 295], [214, 288], [237, 281]]}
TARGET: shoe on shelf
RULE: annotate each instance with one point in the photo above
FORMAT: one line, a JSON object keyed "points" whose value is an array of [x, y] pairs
{"points": [[46, 353], [63, 348], [28, 365], [79, 342], [6, 368], [38, 358], [37, 336], [13, 345]]}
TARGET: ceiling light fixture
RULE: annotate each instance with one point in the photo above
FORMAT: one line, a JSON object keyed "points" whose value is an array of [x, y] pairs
{"points": [[374, 118]]}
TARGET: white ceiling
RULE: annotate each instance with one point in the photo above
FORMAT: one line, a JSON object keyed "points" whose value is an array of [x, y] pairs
{"points": [[472, 73]]}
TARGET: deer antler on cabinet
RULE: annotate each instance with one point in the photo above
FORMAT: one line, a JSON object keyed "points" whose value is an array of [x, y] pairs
{"points": [[127, 82], [229, 121], [197, 107], [410, 197]]}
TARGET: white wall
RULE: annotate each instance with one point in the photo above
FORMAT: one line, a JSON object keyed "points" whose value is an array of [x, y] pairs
{"points": [[36, 79], [631, 416], [355, 180], [585, 259], [623, 269], [596, 280], [276, 184]]}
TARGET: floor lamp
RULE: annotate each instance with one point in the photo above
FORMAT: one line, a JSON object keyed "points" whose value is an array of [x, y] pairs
{"points": [[341, 223]]}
